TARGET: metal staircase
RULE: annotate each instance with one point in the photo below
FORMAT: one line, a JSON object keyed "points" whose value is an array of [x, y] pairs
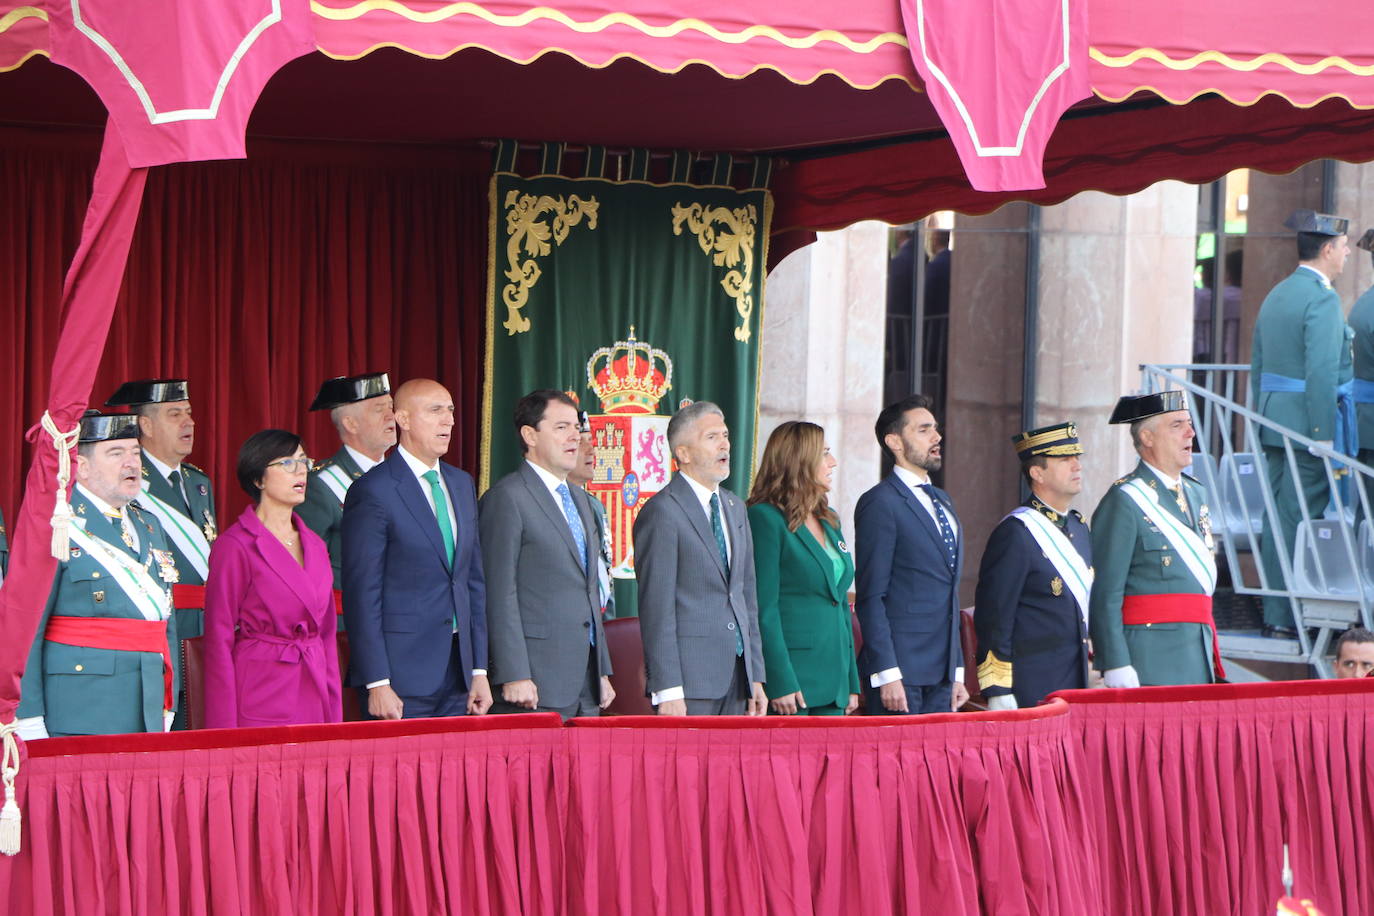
{"points": [[1329, 569]]}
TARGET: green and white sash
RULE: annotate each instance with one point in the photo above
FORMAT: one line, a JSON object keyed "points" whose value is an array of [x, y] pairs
{"points": [[147, 593], [187, 536], [336, 480], [1186, 542], [1063, 556]]}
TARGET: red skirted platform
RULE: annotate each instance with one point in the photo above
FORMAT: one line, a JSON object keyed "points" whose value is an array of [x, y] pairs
{"points": [[1151, 801]]}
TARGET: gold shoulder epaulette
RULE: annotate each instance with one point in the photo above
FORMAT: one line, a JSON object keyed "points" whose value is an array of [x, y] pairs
{"points": [[187, 464]]}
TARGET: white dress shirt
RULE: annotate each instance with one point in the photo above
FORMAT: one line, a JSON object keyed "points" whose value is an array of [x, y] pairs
{"points": [[364, 463], [106, 509], [914, 481], [703, 496], [420, 469]]}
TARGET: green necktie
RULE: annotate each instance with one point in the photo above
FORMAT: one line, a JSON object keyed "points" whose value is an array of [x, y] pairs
{"points": [[436, 490]]}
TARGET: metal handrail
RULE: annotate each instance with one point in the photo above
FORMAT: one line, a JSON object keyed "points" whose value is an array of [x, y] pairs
{"points": [[1218, 417]]}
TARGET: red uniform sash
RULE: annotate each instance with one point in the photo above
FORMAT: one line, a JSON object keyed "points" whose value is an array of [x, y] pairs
{"points": [[1138, 610], [122, 634], [186, 597]]}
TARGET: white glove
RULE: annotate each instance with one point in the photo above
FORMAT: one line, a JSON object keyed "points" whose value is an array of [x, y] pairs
{"points": [[31, 729], [1325, 443], [1002, 701], [1121, 677]]}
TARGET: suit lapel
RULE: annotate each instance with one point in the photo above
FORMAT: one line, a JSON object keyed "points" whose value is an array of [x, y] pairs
{"points": [[923, 517], [827, 568], [277, 558], [679, 489], [549, 504], [413, 498], [734, 518], [159, 487], [1165, 496]]}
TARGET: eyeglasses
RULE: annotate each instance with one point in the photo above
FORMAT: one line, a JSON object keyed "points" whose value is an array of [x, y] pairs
{"points": [[291, 465]]}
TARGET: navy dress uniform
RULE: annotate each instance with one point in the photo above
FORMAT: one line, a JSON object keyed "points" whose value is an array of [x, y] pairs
{"points": [[1031, 605], [328, 484], [102, 660], [1151, 603], [1295, 380]]}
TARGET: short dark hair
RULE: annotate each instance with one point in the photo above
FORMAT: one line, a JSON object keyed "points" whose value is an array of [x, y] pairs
{"points": [[1034, 461], [1310, 245], [529, 410], [1353, 635], [257, 452], [891, 420]]}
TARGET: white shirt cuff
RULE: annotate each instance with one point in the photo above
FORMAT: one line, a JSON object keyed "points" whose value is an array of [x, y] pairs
{"points": [[959, 674], [384, 682], [477, 671], [885, 677], [31, 728], [672, 693]]}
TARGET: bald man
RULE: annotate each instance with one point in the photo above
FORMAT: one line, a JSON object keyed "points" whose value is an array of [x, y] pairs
{"points": [[414, 596]]}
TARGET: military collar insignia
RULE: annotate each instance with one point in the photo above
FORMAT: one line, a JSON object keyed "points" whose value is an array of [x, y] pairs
{"points": [[1045, 510], [81, 509], [145, 470]]}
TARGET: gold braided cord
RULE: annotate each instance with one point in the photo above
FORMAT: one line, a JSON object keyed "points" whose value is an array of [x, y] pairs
{"points": [[1231, 63], [448, 11]]}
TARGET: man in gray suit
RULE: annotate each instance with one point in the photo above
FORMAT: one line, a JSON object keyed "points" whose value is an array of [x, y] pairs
{"points": [[694, 558], [540, 552]]}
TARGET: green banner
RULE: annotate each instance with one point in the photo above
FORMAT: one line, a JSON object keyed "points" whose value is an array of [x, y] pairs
{"points": [[636, 297]]}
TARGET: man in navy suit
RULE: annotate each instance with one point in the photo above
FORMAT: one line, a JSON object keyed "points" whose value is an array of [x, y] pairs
{"points": [[909, 557], [414, 596]]}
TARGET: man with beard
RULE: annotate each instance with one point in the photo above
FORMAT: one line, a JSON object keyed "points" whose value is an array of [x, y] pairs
{"points": [[1031, 609], [360, 407], [698, 601], [101, 662], [1151, 603], [907, 566]]}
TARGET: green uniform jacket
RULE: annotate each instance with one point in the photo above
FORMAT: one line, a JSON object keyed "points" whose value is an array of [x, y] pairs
{"points": [[1133, 557], [1362, 324], [82, 691], [1299, 334], [322, 510], [808, 639], [201, 496]]}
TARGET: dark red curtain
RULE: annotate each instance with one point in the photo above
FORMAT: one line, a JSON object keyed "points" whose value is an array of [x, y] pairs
{"points": [[256, 280], [1196, 789]]}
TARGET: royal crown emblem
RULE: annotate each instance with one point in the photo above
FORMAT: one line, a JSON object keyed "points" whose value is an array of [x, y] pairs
{"points": [[629, 438], [630, 376]]}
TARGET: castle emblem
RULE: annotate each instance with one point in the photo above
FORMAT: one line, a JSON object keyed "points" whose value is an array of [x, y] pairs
{"points": [[629, 378]]}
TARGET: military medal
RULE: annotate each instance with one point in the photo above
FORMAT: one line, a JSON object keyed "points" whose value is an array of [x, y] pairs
{"points": [[843, 548], [166, 568], [1167, 559], [203, 490], [1204, 521], [1056, 586], [211, 532]]}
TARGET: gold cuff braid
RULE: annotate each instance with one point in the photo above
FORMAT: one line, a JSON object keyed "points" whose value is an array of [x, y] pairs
{"points": [[993, 672]]}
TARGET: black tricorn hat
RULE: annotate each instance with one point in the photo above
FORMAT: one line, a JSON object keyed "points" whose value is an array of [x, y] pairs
{"points": [[1317, 223], [1057, 441], [349, 389], [100, 427], [1134, 407], [150, 391]]}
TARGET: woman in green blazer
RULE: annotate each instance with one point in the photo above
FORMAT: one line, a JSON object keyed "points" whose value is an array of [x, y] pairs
{"points": [[804, 570]]}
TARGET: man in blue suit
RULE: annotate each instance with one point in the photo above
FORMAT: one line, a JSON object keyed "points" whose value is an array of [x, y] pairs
{"points": [[909, 557], [414, 596]]}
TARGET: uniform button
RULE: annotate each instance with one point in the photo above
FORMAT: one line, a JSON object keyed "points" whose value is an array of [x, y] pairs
{"points": [[96, 574], [80, 668], [587, 624], [1148, 625], [730, 625]]}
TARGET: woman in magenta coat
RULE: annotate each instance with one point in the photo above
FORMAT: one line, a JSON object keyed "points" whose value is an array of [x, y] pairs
{"points": [[271, 656]]}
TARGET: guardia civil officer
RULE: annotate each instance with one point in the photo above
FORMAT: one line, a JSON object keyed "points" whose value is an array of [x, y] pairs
{"points": [[1151, 604], [1295, 367]]}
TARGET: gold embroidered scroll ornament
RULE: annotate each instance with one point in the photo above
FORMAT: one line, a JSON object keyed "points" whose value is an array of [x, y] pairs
{"points": [[530, 222], [731, 245]]}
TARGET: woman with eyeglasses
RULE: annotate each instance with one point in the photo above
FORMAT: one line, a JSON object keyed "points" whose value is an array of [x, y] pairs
{"points": [[271, 656]]}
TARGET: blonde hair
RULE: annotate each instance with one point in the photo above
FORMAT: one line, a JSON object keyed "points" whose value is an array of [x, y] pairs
{"points": [[787, 474]]}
